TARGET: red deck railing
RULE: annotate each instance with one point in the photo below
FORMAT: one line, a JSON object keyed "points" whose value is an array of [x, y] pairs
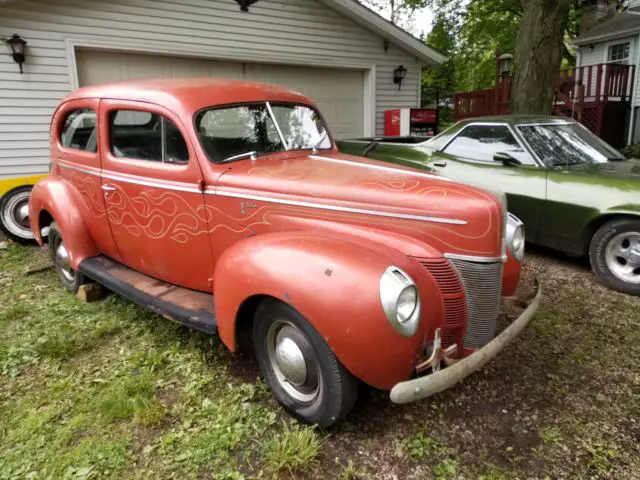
{"points": [[589, 86]]}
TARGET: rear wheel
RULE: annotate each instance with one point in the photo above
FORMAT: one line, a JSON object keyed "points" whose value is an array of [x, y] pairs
{"points": [[14, 215], [60, 256], [299, 367], [615, 255]]}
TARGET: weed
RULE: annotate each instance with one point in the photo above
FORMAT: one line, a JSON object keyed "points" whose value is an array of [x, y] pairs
{"points": [[551, 435], [420, 446], [447, 469], [295, 450]]}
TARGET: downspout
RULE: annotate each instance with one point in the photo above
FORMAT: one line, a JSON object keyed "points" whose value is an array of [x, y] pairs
{"points": [[632, 123]]}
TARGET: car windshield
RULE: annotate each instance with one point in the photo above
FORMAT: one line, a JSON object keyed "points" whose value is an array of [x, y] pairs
{"points": [[567, 144], [244, 131]]}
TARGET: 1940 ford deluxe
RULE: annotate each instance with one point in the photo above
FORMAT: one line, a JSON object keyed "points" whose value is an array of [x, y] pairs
{"points": [[225, 205]]}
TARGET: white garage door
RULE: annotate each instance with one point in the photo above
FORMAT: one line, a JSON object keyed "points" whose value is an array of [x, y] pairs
{"points": [[338, 93]]}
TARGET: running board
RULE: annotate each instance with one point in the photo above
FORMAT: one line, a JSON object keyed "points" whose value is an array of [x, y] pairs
{"points": [[191, 308]]}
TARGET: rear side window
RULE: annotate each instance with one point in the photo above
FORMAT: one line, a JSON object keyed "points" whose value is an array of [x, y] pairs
{"points": [[146, 136], [79, 130]]}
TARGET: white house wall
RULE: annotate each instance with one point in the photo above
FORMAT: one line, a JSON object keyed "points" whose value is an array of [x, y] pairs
{"points": [[304, 32]]}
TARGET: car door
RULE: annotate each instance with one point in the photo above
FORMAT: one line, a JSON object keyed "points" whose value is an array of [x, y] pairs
{"points": [[152, 184], [74, 146], [492, 157]]}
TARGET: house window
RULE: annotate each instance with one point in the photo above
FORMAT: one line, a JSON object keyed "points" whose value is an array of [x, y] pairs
{"points": [[619, 53]]}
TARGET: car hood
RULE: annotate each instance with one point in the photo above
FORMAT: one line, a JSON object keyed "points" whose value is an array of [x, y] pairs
{"points": [[624, 170], [355, 189]]}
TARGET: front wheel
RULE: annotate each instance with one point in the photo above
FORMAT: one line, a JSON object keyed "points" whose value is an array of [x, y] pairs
{"points": [[14, 215], [60, 256], [299, 367], [615, 255]]}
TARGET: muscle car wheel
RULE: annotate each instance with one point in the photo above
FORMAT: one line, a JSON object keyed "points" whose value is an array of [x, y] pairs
{"points": [[299, 367], [60, 256], [615, 255], [14, 215]]}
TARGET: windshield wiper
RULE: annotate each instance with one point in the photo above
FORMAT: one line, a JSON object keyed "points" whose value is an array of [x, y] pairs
{"points": [[252, 155]]}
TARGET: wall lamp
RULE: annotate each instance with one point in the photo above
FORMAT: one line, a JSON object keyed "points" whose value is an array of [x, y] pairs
{"points": [[398, 75], [17, 49]]}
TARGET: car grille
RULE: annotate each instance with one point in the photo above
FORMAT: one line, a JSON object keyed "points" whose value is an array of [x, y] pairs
{"points": [[482, 284]]}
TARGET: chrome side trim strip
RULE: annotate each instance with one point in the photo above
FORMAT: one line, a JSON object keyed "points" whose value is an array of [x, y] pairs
{"points": [[335, 208], [134, 181], [472, 258], [89, 171], [147, 183], [381, 167], [320, 206]]}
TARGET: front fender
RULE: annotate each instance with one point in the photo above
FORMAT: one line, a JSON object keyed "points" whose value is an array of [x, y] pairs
{"points": [[52, 195], [335, 285]]}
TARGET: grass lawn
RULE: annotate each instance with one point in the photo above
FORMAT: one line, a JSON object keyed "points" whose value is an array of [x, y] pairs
{"points": [[107, 390]]}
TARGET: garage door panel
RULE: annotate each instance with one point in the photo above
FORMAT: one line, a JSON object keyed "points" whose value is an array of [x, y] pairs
{"points": [[338, 92]]}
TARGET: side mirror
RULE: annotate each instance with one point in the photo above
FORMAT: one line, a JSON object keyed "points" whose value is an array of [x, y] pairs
{"points": [[506, 159]]}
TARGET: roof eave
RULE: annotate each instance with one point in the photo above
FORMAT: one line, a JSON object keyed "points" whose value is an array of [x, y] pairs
{"points": [[387, 30]]}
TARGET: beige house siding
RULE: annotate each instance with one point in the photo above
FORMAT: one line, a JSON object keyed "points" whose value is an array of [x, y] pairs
{"points": [[297, 32]]}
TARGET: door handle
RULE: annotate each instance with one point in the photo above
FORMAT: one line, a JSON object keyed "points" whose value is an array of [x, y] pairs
{"points": [[108, 188], [440, 164]]}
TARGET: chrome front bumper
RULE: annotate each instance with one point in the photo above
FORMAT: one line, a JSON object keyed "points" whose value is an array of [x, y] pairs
{"points": [[428, 385]]}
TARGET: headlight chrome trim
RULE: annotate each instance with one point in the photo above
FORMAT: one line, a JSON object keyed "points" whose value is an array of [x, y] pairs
{"points": [[393, 283], [515, 236]]}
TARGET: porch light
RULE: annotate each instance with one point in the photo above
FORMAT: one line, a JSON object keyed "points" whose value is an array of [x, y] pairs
{"points": [[244, 4], [398, 75], [505, 64], [17, 48]]}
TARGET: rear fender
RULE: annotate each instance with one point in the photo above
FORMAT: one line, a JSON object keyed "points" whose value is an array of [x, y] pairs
{"points": [[335, 285], [53, 195]]}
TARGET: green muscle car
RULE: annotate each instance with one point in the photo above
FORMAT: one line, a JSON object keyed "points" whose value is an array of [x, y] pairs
{"points": [[573, 192]]}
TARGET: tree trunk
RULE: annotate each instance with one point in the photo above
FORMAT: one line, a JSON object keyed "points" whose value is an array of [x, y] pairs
{"points": [[538, 55]]}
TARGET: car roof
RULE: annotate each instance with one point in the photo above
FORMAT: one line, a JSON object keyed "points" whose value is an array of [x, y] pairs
{"points": [[190, 94], [520, 119]]}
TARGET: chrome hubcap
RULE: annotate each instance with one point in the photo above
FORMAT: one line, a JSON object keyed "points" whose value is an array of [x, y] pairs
{"points": [[293, 361], [62, 261], [623, 256], [15, 215], [22, 215]]}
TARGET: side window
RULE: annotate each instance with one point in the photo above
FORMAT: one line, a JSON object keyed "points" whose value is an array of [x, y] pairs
{"points": [[79, 130], [483, 142], [146, 136]]}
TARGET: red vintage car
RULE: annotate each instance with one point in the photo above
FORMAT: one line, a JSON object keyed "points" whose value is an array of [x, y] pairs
{"points": [[225, 206]]}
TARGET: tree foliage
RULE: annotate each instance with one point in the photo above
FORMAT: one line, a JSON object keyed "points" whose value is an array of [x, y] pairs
{"points": [[470, 32]]}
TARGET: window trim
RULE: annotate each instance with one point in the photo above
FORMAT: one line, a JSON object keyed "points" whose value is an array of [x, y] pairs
{"points": [[222, 106], [611, 43], [111, 113], [537, 163], [62, 123]]}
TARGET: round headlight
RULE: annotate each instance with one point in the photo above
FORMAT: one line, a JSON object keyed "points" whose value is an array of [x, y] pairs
{"points": [[407, 303], [400, 301], [515, 236]]}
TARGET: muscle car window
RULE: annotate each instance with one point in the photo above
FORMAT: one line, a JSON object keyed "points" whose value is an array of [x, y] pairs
{"points": [[146, 136], [231, 131], [79, 130], [483, 142], [567, 144]]}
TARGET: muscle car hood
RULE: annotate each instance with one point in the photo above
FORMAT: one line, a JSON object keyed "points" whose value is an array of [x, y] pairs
{"points": [[627, 170], [378, 193]]}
